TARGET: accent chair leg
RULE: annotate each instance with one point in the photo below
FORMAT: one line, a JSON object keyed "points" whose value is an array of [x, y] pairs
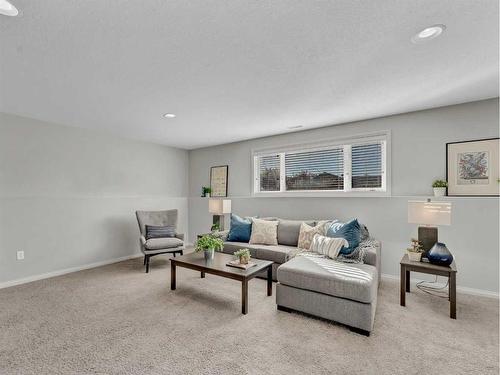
{"points": [[182, 252], [144, 260], [147, 263]]}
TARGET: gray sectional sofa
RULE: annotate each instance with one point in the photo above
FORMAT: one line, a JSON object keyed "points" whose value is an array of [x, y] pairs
{"points": [[312, 284]]}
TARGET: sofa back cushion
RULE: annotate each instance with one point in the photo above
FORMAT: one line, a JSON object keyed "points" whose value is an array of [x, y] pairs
{"points": [[240, 230], [288, 231]]}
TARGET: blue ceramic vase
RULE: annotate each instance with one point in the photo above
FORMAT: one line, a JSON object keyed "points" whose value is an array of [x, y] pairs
{"points": [[440, 255]]}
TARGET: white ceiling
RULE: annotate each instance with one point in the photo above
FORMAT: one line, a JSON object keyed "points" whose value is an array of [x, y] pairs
{"points": [[234, 70]]}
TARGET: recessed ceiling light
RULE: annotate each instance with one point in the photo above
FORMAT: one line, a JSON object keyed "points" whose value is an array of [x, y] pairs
{"points": [[295, 127], [169, 115], [7, 9], [428, 33]]}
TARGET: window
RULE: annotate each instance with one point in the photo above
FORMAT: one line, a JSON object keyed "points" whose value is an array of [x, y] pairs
{"points": [[351, 165], [269, 173], [315, 170]]}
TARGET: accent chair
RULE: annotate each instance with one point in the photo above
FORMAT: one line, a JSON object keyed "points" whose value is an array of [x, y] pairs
{"points": [[156, 246]]}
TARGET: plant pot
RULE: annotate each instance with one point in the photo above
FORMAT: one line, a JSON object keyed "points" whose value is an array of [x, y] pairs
{"points": [[209, 254], [439, 191], [244, 260], [414, 256], [207, 195]]}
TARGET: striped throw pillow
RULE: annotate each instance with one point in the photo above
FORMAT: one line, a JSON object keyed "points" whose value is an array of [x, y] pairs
{"points": [[153, 231], [327, 246]]}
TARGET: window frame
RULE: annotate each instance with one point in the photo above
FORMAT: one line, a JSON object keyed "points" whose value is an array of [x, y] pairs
{"points": [[340, 142]]}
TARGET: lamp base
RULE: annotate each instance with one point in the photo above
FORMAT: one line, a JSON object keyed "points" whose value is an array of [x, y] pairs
{"points": [[218, 220], [427, 236]]}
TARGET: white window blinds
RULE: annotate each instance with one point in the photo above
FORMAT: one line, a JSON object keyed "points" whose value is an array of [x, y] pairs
{"points": [[366, 161], [269, 173], [315, 170]]}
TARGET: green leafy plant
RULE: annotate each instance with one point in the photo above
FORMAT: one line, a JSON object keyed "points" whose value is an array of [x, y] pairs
{"points": [[215, 227], [439, 184], [209, 241], [205, 190], [243, 255]]}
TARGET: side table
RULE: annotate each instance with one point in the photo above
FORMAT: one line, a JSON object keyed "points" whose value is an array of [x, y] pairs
{"points": [[423, 267]]}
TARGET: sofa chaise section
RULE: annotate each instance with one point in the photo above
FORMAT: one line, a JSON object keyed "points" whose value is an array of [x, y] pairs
{"points": [[342, 292]]}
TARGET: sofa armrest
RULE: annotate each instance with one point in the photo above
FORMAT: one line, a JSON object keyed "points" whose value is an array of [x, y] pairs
{"points": [[180, 236], [373, 255]]}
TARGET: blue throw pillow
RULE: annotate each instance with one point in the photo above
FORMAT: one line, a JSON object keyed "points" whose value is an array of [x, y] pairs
{"points": [[351, 231], [240, 230]]}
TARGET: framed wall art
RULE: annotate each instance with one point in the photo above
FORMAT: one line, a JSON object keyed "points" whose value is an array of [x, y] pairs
{"points": [[218, 180], [472, 167]]}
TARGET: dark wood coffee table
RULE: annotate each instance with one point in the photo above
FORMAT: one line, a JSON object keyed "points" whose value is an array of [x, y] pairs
{"points": [[217, 266]]}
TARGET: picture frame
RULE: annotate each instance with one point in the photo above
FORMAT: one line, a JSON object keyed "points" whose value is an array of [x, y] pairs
{"points": [[218, 180], [472, 168]]}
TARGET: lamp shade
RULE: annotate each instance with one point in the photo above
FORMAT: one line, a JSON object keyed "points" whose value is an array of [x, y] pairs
{"points": [[219, 206], [429, 213]]}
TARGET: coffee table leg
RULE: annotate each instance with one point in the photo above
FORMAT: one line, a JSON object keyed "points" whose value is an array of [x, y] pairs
{"points": [[402, 288], [453, 295], [202, 274], [172, 276], [244, 296], [270, 281]]}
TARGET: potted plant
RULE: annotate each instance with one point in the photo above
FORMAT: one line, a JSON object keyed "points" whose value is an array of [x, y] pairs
{"points": [[209, 244], [439, 188], [243, 255], [206, 191], [415, 251]]}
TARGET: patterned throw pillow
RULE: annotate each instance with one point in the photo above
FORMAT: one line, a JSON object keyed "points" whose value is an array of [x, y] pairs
{"points": [[307, 234], [327, 246], [351, 231], [264, 232]]}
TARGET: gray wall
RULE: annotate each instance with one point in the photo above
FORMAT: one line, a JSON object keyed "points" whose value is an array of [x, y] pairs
{"points": [[418, 157], [68, 196]]}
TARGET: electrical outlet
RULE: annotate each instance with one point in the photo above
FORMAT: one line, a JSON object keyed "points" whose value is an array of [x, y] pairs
{"points": [[20, 255]]}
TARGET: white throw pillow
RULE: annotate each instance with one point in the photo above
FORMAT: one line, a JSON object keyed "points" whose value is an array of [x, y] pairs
{"points": [[264, 232], [327, 246], [307, 234]]}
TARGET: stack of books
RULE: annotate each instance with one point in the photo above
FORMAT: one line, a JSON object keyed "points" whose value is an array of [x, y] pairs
{"points": [[236, 263]]}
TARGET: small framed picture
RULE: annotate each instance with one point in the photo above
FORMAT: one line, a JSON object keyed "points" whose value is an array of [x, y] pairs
{"points": [[218, 180], [472, 167]]}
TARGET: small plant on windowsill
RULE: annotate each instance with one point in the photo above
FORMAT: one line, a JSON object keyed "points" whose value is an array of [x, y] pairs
{"points": [[415, 251], [209, 244], [243, 255], [439, 187]]}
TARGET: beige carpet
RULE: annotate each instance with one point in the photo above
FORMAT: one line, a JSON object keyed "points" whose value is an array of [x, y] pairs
{"points": [[118, 320]]}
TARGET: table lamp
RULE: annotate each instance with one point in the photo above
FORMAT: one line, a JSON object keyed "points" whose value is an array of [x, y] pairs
{"points": [[219, 207], [429, 215]]}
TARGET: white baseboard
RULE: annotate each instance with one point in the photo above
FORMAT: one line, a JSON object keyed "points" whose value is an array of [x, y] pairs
{"points": [[461, 289], [47, 275]]}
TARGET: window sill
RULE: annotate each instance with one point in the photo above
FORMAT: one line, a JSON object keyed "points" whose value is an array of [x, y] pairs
{"points": [[322, 194]]}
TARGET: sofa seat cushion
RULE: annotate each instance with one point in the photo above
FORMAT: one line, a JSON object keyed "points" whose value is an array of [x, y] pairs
{"points": [[162, 243], [275, 253], [357, 282]]}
